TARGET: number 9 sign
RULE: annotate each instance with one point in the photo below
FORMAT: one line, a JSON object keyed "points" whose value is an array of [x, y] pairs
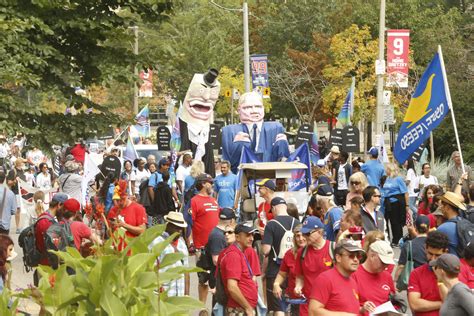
{"points": [[398, 42]]}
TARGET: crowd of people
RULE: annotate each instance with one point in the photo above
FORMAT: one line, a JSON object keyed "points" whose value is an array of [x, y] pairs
{"points": [[335, 256]]}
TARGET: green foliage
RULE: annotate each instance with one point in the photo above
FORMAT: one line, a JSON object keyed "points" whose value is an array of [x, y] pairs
{"points": [[8, 306], [112, 283]]}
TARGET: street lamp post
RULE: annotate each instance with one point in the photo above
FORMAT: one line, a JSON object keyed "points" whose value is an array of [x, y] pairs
{"points": [[381, 58]]}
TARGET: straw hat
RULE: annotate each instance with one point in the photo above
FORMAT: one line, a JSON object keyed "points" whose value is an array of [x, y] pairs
{"points": [[176, 218], [453, 199]]}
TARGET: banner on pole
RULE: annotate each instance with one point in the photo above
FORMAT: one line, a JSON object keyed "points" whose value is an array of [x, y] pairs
{"points": [[427, 109], [259, 65], [398, 42], [146, 89]]}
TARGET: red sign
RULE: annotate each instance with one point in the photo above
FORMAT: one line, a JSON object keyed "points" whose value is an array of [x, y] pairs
{"points": [[146, 89], [398, 42]]}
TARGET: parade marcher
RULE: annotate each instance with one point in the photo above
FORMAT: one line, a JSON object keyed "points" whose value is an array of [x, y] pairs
{"points": [[372, 218], [266, 189], [35, 156], [455, 172], [80, 231], [225, 186], [411, 181], [8, 205], [396, 202], [424, 295], [451, 205], [267, 140], [7, 251], [45, 220], [44, 180], [106, 192], [70, 182], [182, 172], [12, 182], [164, 202], [373, 169], [274, 246], [459, 300], [205, 216], [4, 151], [336, 291], [332, 214], [150, 159], [237, 275], [313, 259], [357, 184], [351, 222], [416, 245], [127, 215], [467, 265], [427, 201], [288, 270], [374, 282], [141, 175], [197, 168], [174, 224], [129, 176], [426, 178], [342, 170]]}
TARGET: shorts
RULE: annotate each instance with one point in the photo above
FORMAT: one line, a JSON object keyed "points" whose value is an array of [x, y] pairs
{"points": [[273, 303]]}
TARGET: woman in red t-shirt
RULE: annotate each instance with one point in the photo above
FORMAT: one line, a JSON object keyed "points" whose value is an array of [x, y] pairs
{"points": [[287, 269], [426, 206]]}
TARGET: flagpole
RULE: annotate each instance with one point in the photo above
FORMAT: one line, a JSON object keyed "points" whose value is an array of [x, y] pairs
{"points": [[133, 145], [450, 105], [351, 105], [115, 139]]}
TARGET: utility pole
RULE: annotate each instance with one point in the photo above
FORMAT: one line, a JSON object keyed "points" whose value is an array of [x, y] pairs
{"points": [[135, 72], [245, 22], [379, 109], [245, 11]]}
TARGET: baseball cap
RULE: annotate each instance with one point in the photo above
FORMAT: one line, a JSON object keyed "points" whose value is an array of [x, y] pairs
{"points": [[267, 183], [447, 262], [163, 161], [72, 205], [324, 190], [348, 245], [373, 151], [383, 249], [244, 228], [204, 177], [277, 201], [311, 223], [60, 197], [226, 213], [422, 221]]}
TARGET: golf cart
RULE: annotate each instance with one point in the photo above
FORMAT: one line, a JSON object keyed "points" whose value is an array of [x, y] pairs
{"points": [[253, 172]]}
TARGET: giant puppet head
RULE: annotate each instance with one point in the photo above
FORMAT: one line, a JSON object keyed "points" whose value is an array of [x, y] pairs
{"points": [[251, 108], [203, 92]]}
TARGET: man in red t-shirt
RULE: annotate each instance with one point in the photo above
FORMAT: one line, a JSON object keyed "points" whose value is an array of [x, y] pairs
{"points": [[45, 220], [205, 214], [424, 292], [374, 282], [236, 274], [127, 215], [336, 291], [79, 230], [311, 260], [266, 189], [467, 266]]}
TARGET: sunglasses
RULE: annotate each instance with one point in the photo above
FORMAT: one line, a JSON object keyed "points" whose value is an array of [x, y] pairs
{"points": [[228, 232], [355, 182], [353, 256]]}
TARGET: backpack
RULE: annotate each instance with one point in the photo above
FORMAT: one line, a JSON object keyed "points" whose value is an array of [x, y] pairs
{"points": [[27, 241], [57, 238], [465, 232], [286, 242], [189, 194], [220, 295], [332, 247], [163, 202], [469, 213], [144, 196]]}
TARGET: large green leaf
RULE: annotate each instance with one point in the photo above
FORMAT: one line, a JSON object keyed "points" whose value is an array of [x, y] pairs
{"points": [[112, 304], [170, 259], [139, 262]]}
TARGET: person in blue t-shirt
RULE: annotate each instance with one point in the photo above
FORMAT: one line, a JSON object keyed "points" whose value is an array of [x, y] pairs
{"points": [[396, 203], [225, 186], [451, 204], [332, 213], [373, 169]]}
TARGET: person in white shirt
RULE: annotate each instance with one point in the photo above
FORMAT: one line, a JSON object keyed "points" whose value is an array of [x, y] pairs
{"points": [[183, 171], [141, 174], [35, 157], [425, 178], [43, 178], [411, 181], [4, 150]]}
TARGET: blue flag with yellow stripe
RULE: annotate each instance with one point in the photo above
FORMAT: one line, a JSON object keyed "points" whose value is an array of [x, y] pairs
{"points": [[427, 109]]}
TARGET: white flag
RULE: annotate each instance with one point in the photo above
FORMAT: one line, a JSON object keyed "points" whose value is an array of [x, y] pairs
{"points": [[90, 171]]}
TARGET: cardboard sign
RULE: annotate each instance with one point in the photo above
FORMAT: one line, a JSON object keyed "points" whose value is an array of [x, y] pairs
{"points": [[163, 137], [335, 139], [398, 42], [350, 139], [305, 132], [215, 137]]}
